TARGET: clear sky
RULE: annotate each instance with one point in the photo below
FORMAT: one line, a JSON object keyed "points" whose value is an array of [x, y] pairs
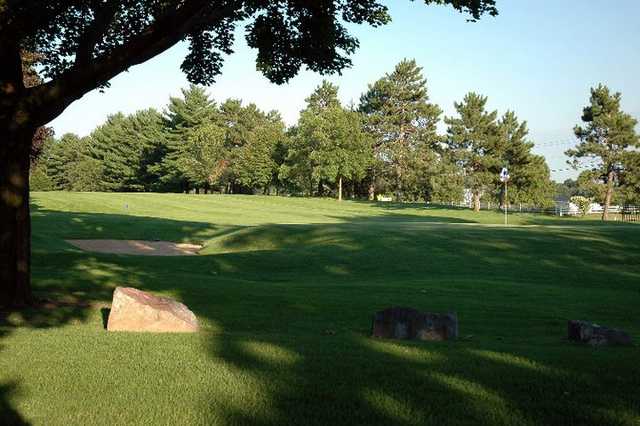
{"points": [[538, 58]]}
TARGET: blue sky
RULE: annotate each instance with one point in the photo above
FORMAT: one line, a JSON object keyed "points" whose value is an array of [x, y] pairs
{"points": [[538, 58]]}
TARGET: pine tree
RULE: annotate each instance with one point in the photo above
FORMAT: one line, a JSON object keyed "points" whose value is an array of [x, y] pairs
{"points": [[66, 158], [39, 177], [530, 177], [607, 138], [182, 117], [323, 97], [472, 140], [400, 119], [630, 179], [126, 146]]}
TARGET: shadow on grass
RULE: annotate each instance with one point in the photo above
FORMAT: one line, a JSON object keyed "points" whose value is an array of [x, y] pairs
{"points": [[9, 416], [309, 377], [104, 313], [272, 292], [355, 380]]}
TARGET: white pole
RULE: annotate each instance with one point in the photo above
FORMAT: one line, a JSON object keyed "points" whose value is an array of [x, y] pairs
{"points": [[505, 202]]}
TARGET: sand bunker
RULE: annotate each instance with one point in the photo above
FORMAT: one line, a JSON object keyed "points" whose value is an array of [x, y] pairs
{"points": [[137, 247]]}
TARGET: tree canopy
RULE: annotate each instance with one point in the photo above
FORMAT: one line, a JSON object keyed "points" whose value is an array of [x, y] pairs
{"points": [[402, 120], [473, 140], [328, 144], [607, 139]]}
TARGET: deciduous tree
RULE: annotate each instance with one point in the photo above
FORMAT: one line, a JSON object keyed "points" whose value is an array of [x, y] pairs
{"points": [[329, 144]]}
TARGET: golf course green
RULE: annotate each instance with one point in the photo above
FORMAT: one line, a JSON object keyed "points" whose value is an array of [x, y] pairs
{"points": [[285, 290]]}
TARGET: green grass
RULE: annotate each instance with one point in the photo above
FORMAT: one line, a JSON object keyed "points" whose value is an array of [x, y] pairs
{"points": [[285, 290]]}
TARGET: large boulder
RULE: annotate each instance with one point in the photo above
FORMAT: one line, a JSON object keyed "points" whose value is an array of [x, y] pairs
{"points": [[136, 310], [411, 324], [594, 334]]}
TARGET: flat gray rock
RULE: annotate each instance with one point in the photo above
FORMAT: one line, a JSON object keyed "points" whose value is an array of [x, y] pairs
{"points": [[411, 324], [596, 335]]}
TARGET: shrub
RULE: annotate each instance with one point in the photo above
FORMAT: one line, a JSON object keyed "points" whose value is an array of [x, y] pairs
{"points": [[583, 203]]}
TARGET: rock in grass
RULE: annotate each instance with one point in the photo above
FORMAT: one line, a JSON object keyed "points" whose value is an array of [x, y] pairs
{"points": [[411, 324], [594, 334], [136, 310]]}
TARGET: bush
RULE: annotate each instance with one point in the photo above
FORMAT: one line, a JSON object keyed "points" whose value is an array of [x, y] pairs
{"points": [[39, 180], [583, 203]]}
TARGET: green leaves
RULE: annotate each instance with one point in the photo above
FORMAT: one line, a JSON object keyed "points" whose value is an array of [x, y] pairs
{"points": [[473, 141], [328, 144], [481, 145], [608, 138], [203, 156], [99, 39], [401, 121]]}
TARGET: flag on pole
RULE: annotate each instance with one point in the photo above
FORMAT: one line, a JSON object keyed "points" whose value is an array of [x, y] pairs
{"points": [[504, 174]]}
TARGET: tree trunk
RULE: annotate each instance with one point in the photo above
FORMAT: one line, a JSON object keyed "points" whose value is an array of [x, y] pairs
{"points": [[15, 222], [398, 183], [340, 188], [608, 196], [476, 201], [372, 191]]}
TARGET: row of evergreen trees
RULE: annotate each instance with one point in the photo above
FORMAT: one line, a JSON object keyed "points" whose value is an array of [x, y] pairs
{"points": [[388, 144]]}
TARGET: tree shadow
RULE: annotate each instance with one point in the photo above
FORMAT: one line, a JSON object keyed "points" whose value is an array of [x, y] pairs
{"points": [[104, 312], [9, 416], [391, 218], [372, 382], [369, 382]]}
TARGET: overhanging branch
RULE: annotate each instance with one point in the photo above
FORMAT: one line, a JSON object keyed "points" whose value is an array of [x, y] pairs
{"points": [[43, 103]]}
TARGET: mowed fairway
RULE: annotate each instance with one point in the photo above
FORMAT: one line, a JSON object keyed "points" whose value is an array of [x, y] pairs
{"points": [[285, 290]]}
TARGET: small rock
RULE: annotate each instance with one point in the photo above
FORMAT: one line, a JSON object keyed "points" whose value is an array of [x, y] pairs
{"points": [[596, 335], [136, 310], [411, 324]]}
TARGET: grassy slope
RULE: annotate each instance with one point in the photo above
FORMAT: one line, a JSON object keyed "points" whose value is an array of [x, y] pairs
{"points": [[285, 291]]}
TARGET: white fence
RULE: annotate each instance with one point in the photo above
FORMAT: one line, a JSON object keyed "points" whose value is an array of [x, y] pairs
{"points": [[625, 213]]}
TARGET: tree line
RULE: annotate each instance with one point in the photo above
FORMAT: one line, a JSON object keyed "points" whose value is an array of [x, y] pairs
{"points": [[387, 144]]}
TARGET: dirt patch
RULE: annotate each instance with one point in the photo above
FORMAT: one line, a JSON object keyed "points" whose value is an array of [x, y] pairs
{"points": [[137, 247]]}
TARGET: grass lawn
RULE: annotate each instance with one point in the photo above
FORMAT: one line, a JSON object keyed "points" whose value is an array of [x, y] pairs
{"points": [[285, 290]]}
